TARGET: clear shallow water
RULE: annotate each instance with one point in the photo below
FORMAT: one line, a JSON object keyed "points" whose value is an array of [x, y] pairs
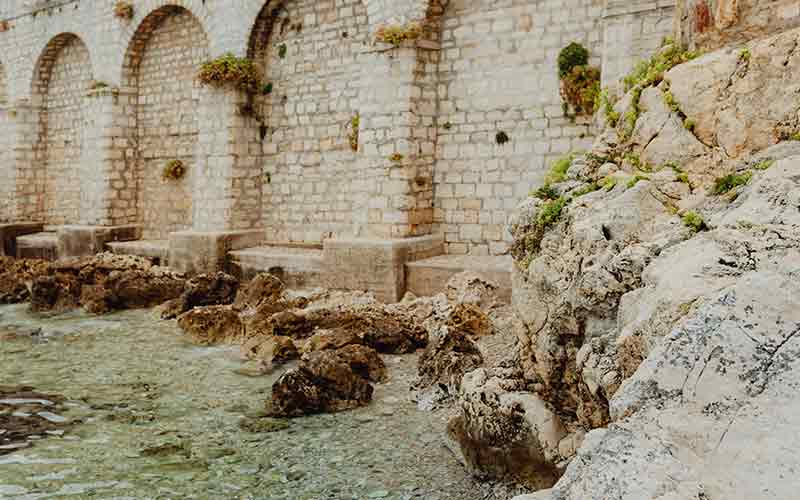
{"points": [[160, 419]]}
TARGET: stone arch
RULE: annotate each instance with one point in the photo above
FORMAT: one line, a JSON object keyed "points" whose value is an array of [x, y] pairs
{"points": [[159, 72], [308, 164], [61, 78]]}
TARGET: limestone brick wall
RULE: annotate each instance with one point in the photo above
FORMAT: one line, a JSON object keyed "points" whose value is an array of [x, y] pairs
{"points": [[167, 96], [308, 164], [283, 162], [498, 74], [633, 30], [63, 82]]}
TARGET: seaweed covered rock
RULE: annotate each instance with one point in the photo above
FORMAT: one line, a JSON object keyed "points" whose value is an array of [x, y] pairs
{"points": [[327, 381]]}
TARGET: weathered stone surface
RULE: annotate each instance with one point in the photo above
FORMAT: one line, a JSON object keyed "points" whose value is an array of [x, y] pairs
{"points": [[472, 288], [449, 355], [264, 288], [327, 381], [212, 325], [501, 432]]}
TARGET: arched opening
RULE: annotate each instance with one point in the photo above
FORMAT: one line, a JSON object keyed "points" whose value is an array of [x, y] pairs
{"points": [[62, 76], [160, 69], [309, 53]]}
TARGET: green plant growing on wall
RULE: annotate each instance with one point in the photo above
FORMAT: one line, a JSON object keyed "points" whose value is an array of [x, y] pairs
{"points": [[447, 126], [396, 158], [228, 70], [123, 10], [266, 89], [745, 55], [352, 137], [580, 83], [173, 170], [396, 35], [97, 85], [282, 50], [501, 138]]}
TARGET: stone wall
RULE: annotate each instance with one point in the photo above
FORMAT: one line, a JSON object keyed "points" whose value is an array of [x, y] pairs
{"points": [[498, 73], [167, 120], [427, 160], [64, 78], [633, 30], [308, 164]]}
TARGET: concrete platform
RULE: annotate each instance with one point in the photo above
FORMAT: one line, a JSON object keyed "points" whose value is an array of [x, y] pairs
{"points": [[297, 266], [43, 245], [429, 276], [155, 250]]}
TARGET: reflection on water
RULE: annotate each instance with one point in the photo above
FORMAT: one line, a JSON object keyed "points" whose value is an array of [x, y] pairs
{"points": [[159, 418]]}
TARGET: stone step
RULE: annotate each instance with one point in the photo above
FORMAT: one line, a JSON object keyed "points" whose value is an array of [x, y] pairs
{"points": [[43, 245], [155, 250], [297, 266], [429, 276]]}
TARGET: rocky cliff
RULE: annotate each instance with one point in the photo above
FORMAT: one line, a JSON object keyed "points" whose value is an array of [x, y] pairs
{"points": [[658, 292]]}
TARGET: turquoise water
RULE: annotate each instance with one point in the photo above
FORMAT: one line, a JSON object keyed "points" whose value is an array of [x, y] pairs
{"points": [[160, 418]]}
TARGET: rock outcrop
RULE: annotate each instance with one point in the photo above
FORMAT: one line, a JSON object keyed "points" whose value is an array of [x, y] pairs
{"points": [[103, 283], [17, 276], [203, 290], [656, 287], [327, 381]]}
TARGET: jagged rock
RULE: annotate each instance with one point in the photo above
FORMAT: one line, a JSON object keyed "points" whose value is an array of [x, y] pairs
{"points": [[472, 288], [212, 325], [103, 283], [337, 338], [327, 381], [469, 319], [132, 289], [385, 329], [265, 288], [503, 433], [203, 290], [270, 350], [449, 355], [17, 276], [55, 293]]}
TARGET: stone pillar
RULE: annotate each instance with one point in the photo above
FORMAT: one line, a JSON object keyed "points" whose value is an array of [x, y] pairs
{"points": [[227, 177], [226, 185], [25, 175], [396, 141]]}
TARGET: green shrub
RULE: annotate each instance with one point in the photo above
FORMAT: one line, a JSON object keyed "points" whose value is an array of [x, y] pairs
{"points": [[724, 184], [355, 123], [635, 180], [580, 89], [396, 35], [571, 56], [764, 164], [238, 72], [546, 192], [651, 72], [501, 138], [694, 221], [558, 170], [282, 50]]}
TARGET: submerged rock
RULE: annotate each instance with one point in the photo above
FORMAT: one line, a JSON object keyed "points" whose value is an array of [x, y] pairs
{"points": [[327, 381], [212, 325]]}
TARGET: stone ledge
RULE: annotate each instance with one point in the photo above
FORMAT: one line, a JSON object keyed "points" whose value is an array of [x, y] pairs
{"points": [[82, 241], [197, 252], [11, 231]]}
